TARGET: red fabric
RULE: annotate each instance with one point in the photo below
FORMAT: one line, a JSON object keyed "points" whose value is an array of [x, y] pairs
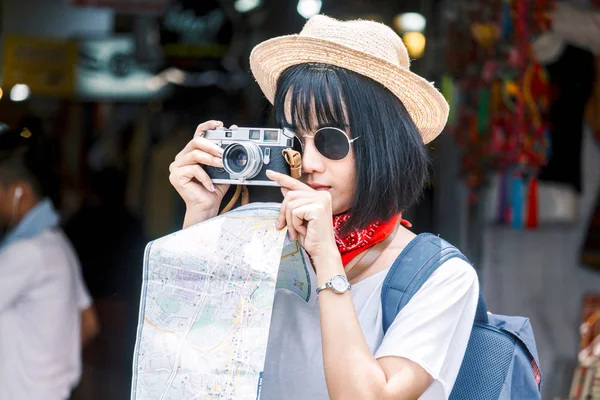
{"points": [[536, 373], [356, 242], [532, 205]]}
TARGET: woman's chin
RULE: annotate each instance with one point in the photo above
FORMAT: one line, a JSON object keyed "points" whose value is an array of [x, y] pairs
{"points": [[340, 209]]}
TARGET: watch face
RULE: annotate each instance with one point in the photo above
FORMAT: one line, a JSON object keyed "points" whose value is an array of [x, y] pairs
{"points": [[339, 283]]}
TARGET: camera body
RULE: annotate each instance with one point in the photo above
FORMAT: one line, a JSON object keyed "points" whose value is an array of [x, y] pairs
{"points": [[249, 153]]}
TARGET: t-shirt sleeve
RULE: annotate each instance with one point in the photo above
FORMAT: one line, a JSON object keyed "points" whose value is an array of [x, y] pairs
{"points": [[84, 300], [433, 329], [82, 294], [19, 264]]}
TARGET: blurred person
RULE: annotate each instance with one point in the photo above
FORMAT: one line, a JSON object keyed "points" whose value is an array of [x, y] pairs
{"points": [[46, 314], [362, 119]]}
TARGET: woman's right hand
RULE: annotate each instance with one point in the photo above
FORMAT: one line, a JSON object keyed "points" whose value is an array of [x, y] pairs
{"points": [[193, 184]]}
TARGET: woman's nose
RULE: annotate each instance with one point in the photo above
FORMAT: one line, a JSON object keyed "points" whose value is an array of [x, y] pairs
{"points": [[312, 160]]}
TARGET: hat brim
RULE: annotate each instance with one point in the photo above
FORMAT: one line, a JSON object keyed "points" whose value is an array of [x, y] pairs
{"points": [[424, 103]]}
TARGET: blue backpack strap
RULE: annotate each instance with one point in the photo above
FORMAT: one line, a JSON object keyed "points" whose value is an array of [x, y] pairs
{"points": [[415, 264]]}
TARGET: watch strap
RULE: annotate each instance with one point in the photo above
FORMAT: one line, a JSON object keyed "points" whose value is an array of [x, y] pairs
{"points": [[329, 285]]}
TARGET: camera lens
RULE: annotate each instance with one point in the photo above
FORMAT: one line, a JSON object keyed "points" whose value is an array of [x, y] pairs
{"points": [[239, 159], [242, 160]]}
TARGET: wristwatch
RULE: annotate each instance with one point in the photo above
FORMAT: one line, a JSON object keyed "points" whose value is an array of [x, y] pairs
{"points": [[339, 284]]}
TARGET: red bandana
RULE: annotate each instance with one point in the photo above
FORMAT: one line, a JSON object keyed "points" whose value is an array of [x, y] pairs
{"points": [[356, 242]]}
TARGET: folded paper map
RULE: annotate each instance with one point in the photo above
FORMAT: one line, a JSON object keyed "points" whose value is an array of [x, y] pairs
{"points": [[206, 306]]}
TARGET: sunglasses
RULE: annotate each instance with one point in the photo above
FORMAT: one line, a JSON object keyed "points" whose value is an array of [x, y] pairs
{"points": [[331, 143]]}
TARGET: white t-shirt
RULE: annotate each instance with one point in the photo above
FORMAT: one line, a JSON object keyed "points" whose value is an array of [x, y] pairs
{"points": [[41, 297], [432, 330]]}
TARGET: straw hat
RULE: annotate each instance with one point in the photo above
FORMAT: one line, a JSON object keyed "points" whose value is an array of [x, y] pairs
{"points": [[366, 47]]}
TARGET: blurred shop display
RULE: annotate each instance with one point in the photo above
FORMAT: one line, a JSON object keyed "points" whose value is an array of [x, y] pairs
{"points": [[107, 68], [518, 105], [125, 6], [43, 66], [168, 45], [104, 68], [202, 44], [586, 378]]}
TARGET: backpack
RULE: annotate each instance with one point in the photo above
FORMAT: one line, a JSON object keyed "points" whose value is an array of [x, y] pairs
{"points": [[501, 360]]}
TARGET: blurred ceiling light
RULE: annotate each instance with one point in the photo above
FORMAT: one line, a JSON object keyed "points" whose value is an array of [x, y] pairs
{"points": [[156, 83], [20, 92], [244, 6], [308, 8], [174, 75], [415, 43], [410, 22], [162, 79]]}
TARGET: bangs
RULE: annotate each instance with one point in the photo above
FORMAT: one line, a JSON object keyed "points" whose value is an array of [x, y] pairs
{"points": [[312, 96]]}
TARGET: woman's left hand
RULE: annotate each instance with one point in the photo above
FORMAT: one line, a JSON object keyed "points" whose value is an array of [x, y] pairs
{"points": [[308, 216]]}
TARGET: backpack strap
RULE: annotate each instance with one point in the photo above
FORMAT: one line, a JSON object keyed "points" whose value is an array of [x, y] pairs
{"points": [[415, 264]]}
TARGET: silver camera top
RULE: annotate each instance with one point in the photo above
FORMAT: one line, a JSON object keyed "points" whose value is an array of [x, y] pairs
{"points": [[267, 136]]}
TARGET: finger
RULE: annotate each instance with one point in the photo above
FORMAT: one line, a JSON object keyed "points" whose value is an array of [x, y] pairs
{"points": [[287, 181], [205, 145], [291, 216], [200, 157], [288, 219], [205, 126], [188, 172], [233, 127], [298, 221], [291, 196], [299, 194], [313, 210], [281, 217]]}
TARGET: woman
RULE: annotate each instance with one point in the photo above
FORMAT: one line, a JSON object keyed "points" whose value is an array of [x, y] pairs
{"points": [[345, 90]]}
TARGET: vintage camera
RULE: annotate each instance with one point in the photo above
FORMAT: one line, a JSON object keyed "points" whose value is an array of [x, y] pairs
{"points": [[249, 153]]}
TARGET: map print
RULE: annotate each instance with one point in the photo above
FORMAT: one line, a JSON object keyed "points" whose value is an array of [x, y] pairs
{"points": [[293, 272], [206, 307]]}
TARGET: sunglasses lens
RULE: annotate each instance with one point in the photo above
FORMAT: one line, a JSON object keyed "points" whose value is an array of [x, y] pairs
{"points": [[332, 143], [298, 145]]}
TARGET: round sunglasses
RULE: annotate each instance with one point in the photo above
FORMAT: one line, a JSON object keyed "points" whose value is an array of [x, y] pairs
{"points": [[331, 143]]}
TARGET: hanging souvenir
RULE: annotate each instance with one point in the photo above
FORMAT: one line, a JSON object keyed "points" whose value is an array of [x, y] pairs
{"points": [[502, 124]]}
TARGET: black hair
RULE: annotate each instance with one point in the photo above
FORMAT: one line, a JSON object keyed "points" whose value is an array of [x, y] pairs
{"points": [[391, 160], [22, 159]]}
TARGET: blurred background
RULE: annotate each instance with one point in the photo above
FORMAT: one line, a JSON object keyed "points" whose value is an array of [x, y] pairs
{"points": [[117, 87]]}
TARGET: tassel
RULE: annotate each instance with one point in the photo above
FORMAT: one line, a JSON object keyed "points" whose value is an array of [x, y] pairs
{"points": [[517, 202], [532, 204], [483, 112], [506, 20]]}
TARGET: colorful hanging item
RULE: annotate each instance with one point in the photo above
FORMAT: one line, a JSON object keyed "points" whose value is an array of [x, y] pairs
{"points": [[504, 96]]}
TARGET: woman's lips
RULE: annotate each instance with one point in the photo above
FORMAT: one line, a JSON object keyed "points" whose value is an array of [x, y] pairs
{"points": [[317, 186]]}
